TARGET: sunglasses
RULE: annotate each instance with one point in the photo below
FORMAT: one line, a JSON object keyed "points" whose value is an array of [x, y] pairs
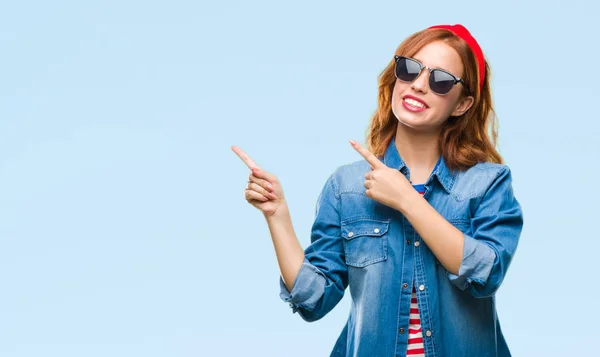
{"points": [[440, 81]]}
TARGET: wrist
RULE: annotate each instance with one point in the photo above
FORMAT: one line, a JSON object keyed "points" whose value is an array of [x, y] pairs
{"points": [[407, 201], [281, 213]]}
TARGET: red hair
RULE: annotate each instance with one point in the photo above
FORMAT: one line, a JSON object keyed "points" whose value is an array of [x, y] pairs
{"points": [[464, 140]]}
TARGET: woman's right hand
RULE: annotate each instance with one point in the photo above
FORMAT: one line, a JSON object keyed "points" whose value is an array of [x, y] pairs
{"points": [[263, 190]]}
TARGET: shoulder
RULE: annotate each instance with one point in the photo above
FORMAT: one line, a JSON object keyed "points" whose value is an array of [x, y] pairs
{"points": [[349, 178], [477, 180]]}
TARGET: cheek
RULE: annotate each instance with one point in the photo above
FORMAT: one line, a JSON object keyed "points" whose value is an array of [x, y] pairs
{"points": [[397, 96], [399, 88], [396, 100], [394, 94], [450, 104], [446, 107]]}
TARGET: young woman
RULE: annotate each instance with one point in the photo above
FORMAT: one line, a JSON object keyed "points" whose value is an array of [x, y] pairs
{"points": [[424, 228]]}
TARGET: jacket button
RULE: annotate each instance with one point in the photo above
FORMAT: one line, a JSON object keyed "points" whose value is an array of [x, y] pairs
{"points": [[401, 330], [421, 287], [376, 230], [405, 285], [428, 333], [350, 234], [417, 243]]}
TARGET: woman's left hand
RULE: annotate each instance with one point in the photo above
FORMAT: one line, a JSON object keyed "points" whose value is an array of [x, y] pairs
{"points": [[384, 184]]}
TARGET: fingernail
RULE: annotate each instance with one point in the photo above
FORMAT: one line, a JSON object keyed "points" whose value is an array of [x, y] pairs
{"points": [[352, 142], [270, 186]]}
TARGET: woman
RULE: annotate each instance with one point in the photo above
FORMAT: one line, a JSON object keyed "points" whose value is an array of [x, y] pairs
{"points": [[423, 230]]}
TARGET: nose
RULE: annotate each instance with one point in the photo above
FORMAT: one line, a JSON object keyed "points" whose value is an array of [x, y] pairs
{"points": [[421, 83]]}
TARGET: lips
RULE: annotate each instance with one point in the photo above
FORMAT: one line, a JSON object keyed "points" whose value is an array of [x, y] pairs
{"points": [[414, 104]]}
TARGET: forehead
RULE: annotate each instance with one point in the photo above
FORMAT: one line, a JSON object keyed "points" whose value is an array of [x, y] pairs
{"points": [[440, 55]]}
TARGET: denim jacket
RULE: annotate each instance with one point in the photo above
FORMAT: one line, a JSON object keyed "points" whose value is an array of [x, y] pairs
{"points": [[372, 248]]}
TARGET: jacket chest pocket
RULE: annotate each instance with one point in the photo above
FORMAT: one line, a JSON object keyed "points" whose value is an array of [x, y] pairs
{"points": [[365, 241]]}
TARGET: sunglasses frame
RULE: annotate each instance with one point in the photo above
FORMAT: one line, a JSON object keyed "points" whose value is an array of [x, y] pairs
{"points": [[421, 66]]}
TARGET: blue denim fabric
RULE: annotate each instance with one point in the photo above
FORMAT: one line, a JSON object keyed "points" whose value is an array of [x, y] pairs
{"points": [[361, 243]]}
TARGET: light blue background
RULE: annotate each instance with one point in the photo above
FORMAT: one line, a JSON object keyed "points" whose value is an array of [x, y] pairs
{"points": [[123, 227]]}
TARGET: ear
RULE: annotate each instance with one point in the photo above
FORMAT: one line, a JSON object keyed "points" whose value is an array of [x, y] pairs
{"points": [[463, 105]]}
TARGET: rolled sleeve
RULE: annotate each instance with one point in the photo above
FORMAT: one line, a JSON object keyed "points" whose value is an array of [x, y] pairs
{"points": [[307, 289], [323, 276], [476, 266], [497, 224]]}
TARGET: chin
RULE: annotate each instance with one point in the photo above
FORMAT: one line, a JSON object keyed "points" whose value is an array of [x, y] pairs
{"points": [[409, 124], [407, 119], [420, 125]]}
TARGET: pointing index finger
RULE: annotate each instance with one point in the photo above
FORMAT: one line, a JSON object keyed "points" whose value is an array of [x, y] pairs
{"points": [[245, 158], [371, 159]]}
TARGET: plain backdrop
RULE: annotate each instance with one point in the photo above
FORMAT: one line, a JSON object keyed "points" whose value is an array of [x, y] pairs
{"points": [[123, 226]]}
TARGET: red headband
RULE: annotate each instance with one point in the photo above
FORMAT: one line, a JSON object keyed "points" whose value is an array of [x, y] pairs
{"points": [[462, 32]]}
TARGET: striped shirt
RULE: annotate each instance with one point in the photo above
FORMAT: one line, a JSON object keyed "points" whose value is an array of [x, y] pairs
{"points": [[415, 333], [415, 346]]}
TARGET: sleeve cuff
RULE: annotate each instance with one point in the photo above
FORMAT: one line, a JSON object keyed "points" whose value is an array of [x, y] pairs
{"points": [[308, 288], [476, 266]]}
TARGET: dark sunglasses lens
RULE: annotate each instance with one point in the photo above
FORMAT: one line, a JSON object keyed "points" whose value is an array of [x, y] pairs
{"points": [[407, 70], [440, 82]]}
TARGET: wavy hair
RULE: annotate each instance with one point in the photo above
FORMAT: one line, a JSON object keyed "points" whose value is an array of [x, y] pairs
{"points": [[464, 140]]}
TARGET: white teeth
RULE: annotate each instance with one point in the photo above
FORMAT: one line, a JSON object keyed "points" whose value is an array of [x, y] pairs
{"points": [[414, 103]]}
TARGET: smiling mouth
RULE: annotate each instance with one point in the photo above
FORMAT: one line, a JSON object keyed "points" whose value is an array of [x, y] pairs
{"points": [[413, 105]]}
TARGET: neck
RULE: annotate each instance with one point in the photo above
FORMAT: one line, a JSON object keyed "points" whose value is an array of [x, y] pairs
{"points": [[419, 150]]}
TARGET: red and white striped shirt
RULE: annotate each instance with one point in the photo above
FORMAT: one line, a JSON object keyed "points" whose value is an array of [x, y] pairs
{"points": [[415, 333]]}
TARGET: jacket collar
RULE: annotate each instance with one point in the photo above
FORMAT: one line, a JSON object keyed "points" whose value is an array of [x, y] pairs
{"points": [[393, 160]]}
